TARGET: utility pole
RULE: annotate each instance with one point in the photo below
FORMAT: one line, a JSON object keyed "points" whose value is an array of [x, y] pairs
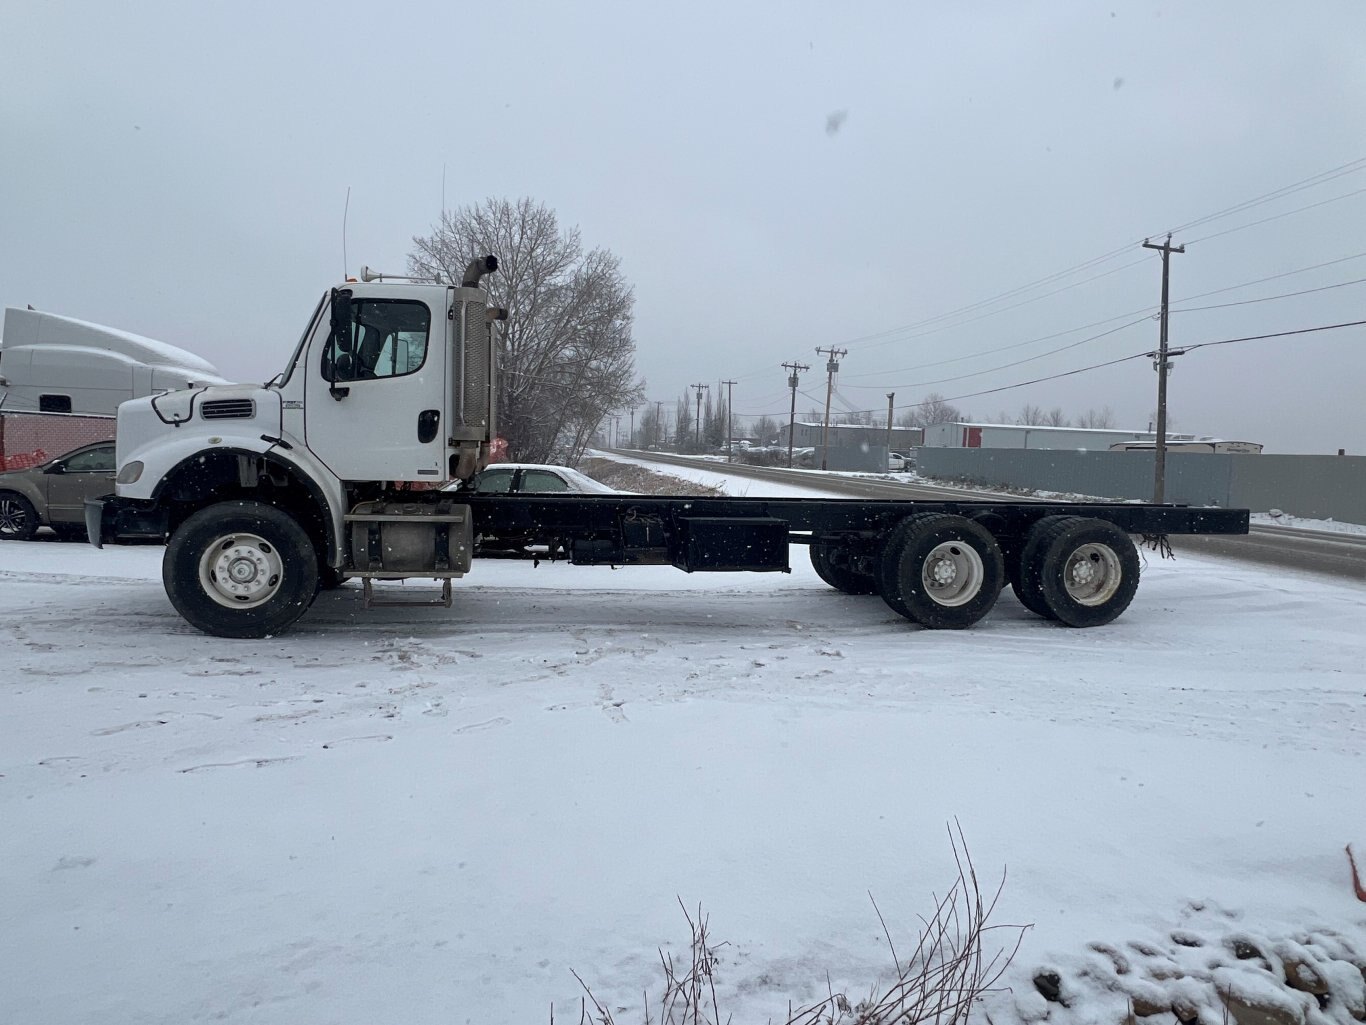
{"points": [[730, 437], [1162, 365], [659, 423], [891, 395], [697, 424], [793, 370], [832, 367], [631, 438]]}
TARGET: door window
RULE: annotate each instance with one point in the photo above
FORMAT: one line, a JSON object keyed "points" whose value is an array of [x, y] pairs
{"points": [[542, 482], [97, 460], [383, 338], [493, 482]]}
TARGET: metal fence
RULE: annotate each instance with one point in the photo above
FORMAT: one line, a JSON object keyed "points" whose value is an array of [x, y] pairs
{"points": [[1317, 487], [27, 439]]}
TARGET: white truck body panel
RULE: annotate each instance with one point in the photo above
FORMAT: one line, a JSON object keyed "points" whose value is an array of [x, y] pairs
{"points": [[92, 367]]}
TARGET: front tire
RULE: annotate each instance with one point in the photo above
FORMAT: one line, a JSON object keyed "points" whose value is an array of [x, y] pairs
{"points": [[18, 518], [240, 569]]}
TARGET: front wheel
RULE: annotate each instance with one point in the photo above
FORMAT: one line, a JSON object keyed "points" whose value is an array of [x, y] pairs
{"points": [[18, 518], [240, 569]]}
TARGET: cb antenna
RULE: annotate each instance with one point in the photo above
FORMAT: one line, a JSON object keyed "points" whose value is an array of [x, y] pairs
{"points": [[345, 210]]}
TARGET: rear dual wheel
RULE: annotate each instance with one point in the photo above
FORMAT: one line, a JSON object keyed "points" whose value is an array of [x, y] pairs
{"points": [[1078, 570], [838, 574], [941, 571]]}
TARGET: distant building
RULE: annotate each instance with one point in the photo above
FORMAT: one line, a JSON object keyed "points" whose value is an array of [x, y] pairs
{"points": [[980, 435], [809, 435]]}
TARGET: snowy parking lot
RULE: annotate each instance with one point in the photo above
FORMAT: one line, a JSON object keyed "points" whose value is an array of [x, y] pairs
{"points": [[431, 815]]}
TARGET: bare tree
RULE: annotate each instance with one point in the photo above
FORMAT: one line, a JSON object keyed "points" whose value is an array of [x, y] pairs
{"points": [[765, 429], [683, 424], [933, 409], [1056, 418], [567, 356], [1031, 416], [1102, 420]]}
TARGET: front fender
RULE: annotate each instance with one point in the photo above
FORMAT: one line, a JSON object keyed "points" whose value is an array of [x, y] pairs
{"points": [[164, 458]]}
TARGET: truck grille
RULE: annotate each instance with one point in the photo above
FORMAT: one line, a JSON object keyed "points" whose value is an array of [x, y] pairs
{"points": [[228, 409]]}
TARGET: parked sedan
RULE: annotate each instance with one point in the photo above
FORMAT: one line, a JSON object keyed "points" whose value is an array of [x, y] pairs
{"points": [[532, 479], [525, 479], [53, 494]]}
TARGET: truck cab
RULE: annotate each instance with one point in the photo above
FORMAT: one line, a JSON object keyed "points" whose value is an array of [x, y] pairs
{"points": [[390, 390]]}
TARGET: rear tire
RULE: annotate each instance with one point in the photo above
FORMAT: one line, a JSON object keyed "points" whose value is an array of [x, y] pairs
{"points": [[240, 569], [841, 578], [18, 518], [1084, 570], [941, 571], [1029, 597]]}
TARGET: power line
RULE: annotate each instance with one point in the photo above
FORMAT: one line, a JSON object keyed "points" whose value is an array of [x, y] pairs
{"points": [[1016, 363], [1351, 167], [1276, 217], [1311, 181], [1144, 311], [1115, 362], [993, 313], [1269, 298], [1274, 334]]}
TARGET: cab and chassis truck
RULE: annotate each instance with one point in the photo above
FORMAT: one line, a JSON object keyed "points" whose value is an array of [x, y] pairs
{"points": [[267, 494]]}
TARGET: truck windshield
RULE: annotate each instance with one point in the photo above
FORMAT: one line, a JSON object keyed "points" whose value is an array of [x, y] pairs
{"points": [[282, 378]]}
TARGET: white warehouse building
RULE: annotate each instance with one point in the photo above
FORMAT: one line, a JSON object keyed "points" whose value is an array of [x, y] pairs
{"points": [[980, 435]]}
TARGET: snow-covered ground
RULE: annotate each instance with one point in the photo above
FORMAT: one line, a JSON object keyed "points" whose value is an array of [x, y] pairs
{"points": [[431, 815]]}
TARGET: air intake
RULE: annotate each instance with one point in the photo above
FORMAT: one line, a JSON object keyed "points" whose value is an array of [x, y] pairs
{"points": [[228, 409]]}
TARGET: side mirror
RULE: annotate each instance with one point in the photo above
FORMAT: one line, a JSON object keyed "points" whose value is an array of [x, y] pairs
{"points": [[340, 342], [56, 468]]}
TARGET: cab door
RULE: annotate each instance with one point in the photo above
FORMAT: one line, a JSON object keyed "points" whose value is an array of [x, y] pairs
{"points": [[374, 397]]}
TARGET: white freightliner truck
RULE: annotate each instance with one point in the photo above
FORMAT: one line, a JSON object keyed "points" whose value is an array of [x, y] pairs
{"points": [[267, 493]]}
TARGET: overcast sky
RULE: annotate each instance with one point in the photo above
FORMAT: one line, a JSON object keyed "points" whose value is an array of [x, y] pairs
{"points": [[775, 177]]}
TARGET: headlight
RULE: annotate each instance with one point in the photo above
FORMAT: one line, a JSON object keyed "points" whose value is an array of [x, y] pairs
{"points": [[129, 473]]}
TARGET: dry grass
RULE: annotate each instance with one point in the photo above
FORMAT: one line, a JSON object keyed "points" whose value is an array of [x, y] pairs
{"points": [[629, 477], [956, 959]]}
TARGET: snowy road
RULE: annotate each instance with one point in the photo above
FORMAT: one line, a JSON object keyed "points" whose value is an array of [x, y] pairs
{"points": [[432, 815]]}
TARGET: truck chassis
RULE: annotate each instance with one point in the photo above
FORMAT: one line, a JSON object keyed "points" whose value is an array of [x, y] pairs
{"points": [[247, 568]]}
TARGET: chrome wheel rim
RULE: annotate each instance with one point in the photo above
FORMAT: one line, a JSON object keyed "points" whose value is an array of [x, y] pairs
{"points": [[241, 571], [13, 518], [952, 574], [1092, 574]]}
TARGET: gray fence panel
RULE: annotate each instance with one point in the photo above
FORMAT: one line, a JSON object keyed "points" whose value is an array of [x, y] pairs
{"points": [[1317, 487], [861, 458]]}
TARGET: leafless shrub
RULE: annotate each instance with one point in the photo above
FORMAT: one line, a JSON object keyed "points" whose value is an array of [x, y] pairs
{"points": [[956, 959]]}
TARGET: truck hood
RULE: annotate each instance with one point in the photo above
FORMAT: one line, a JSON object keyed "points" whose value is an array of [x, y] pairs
{"points": [[239, 409]]}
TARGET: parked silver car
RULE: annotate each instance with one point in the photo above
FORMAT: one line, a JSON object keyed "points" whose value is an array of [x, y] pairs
{"points": [[532, 479], [53, 494]]}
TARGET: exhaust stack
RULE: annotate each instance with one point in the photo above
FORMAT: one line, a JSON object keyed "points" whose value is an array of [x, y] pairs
{"points": [[477, 268]]}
